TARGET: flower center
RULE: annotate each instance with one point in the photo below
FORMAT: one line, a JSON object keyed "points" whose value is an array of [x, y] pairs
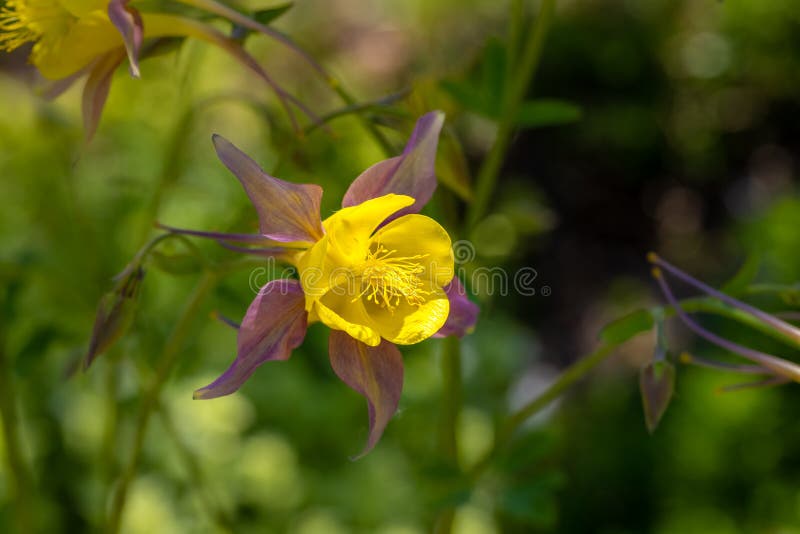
{"points": [[23, 21], [386, 280]]}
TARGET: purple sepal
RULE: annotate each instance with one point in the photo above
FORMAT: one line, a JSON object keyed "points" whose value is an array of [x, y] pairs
{"points": [[287, 212], [129, 23], [374, 372], [95, 91], [412, 173], [463, 312], [274, 325]]}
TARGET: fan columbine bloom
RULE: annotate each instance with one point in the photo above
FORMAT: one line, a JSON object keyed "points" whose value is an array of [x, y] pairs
{"points": [[72, 38], [379, 282], [376, 272]]}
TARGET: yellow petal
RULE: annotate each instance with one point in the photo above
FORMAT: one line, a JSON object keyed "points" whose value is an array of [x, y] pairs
{"points": [[340, 312], [87, 39], [81, 8], [407, 323], [418, 235], [314, 271], [349, 229]]}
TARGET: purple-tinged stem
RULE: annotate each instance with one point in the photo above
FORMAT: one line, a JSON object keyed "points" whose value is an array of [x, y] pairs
{"points": [[217, 236], [688, 359], [767, 382], [789, 315], [266, 251], [782, 326], [776, 365], [231, 14], [225, 320]]}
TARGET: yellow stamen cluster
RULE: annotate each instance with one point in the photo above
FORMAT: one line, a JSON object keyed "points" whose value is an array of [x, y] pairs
{"points": [[385, 280], [24, 21]]}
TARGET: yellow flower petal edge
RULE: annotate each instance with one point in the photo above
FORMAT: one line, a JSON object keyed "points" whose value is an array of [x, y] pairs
{"points": [[408, 324], [349, 316]]}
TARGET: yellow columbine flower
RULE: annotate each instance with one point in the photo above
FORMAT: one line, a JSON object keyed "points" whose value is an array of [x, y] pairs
{"points": [[67, 34], [376, 272], [93, 37], [376, 282]]}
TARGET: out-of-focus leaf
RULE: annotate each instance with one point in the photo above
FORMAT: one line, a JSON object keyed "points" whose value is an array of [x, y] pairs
{"points": [[115, 313], [531, 501], [525, 451], [452, 169], [265, 16], [35, 348], [744, 276], [627, 327], [446, 486], [527, 210], [494, 72], [177, 264], [546, 112], [262, 16], [468, 96], [656, 382], [791, 296]]}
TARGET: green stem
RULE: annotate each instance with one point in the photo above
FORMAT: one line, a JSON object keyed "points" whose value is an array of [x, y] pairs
{"points": [[357, 109], [714, 306], [169, 358], [108, 461], [384, 143], [169, 172], [451, 405], [21, 478], [515, 27], [571, 374], [515, 93], [451, 408]]}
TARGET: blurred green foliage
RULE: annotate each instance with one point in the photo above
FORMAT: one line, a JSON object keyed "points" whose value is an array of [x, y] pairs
{"points": [[683, 113]]}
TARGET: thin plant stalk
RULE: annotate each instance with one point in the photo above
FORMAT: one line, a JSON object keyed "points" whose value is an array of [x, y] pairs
{"points": [[21, 478], [568, 377], [515, 93], [168, 359], [451, 408], [517, 82]]}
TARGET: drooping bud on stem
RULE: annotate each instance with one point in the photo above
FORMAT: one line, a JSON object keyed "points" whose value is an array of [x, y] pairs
{"points": [[114, 314], [657, 381]]}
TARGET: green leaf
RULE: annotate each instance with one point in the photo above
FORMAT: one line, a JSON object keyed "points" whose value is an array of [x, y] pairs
{"points": [[656, 382], [744, 276], [265, 16], [626, 327], [546, 112]]}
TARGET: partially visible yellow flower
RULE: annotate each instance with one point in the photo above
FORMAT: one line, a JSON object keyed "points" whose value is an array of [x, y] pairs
{"points": [[67, 34], [75, 37]]}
